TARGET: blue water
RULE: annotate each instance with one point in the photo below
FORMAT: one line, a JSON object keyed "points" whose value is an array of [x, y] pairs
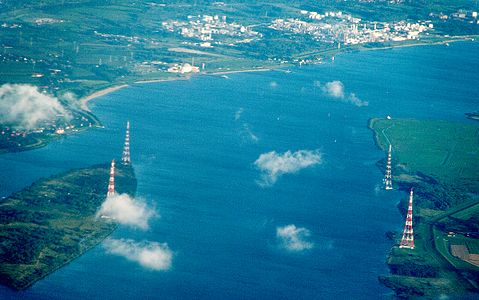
{"points": [[195, 164]]}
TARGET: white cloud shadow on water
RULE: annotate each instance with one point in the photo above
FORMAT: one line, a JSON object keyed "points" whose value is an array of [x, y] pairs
{"points": [[127, 211], [273, 165], [294, 239], [25, 107], [150, 255]]}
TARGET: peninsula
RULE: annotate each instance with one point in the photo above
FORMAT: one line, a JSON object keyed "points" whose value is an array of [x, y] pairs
{"points": [[440, 160], [47, 225]]}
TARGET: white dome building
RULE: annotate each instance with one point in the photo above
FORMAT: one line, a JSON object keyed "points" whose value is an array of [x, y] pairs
{"points": [[186, 68]]}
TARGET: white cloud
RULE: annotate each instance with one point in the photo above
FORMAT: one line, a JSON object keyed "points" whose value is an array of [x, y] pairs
{"points": [[71, 99], [246, 132], [273, 165], [293, 238], [26, 107], [335, 89], [151, 255], [127, 211], [249, 133], [356, 101]]}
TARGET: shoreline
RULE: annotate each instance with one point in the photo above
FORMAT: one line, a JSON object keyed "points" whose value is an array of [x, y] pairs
{"points": [[241, 71], [425, 271], [162, 80], [20, 276], [418, 44], [94, 244], [84, 101]]}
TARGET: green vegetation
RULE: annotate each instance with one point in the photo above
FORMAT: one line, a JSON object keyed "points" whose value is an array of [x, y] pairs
{"points": [[50, 223], [451, 154], [440, 160]]}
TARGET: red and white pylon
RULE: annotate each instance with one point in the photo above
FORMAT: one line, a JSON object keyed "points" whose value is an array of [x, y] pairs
{"points": [[111, 183], [126, 150], [407, 240], [388, 179]]}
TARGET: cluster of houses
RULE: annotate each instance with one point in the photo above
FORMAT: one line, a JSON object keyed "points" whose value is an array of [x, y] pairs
{"points": [[461, 15], [212, 30], [338, 27], [11, 134]]}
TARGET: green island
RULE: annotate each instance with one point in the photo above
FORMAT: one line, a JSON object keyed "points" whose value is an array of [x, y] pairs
{"points": [[440, 161], [50, 223], [75, 50]]}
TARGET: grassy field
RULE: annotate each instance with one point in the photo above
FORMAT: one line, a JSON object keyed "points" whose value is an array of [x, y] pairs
{"points": [[50, 223], [443, 243], [440, 160], [466, 214], [448, 151]]}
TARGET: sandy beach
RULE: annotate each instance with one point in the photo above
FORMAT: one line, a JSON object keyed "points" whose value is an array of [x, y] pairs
{"points": [[84, 101]]}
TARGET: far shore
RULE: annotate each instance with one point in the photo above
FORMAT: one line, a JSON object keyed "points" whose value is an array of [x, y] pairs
{"points": [[242, 71], [451, 39], [84, 101], [162, 80]]}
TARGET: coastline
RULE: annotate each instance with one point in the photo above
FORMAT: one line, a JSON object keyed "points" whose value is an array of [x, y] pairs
{"points": [[162, 80], [429, 270], [84, 101], [242, 71], [93, 244], [442, 42], [20, 276], [188, 77]]}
